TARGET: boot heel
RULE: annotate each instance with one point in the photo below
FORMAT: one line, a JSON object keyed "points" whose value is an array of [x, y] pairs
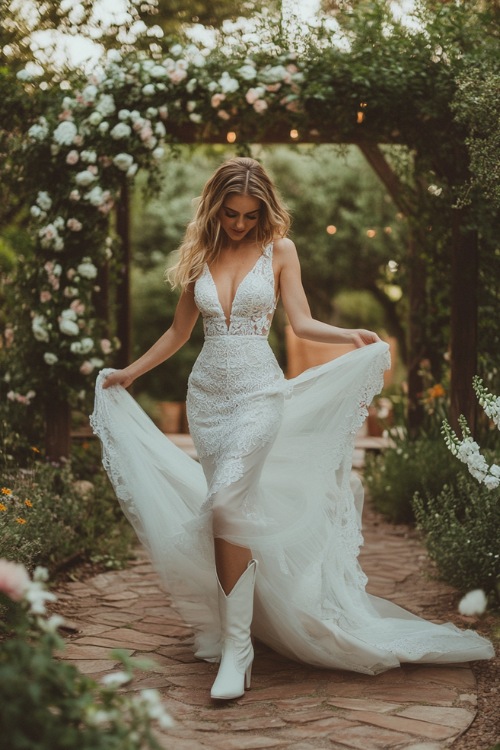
{"points": [[248, 677]]}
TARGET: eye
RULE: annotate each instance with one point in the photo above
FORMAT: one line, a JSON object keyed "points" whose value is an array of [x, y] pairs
{"points": [[230, 215], [252, 218]]}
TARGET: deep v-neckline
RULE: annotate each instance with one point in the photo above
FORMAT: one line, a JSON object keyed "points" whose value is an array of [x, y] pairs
{"points": [[250, 271]]}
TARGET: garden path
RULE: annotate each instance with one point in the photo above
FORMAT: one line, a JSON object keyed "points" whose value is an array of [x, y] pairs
{"points": [[290, 705]]}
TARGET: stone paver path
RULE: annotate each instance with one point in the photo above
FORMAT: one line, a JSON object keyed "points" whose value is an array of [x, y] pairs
{"points": [[290, 705]]}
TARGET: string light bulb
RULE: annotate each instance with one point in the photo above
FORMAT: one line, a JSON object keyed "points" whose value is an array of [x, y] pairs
{"points": [[294, 133], [231, 136], [331, 229]]}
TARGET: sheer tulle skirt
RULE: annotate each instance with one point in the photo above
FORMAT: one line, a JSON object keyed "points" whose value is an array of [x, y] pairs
{"points": [[293, 500]]}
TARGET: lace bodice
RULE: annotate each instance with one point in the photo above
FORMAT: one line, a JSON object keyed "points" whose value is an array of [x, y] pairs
{"points": [[253, 304]]}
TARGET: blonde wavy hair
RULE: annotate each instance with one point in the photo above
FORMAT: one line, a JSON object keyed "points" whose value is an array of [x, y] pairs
{"points": [[203, 239]]}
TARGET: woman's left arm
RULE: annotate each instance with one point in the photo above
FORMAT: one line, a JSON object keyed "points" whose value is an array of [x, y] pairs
{"points": [[297, 307]]}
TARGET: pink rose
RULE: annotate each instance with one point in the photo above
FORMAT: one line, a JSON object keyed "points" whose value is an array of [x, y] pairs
{"points": [[45, 296], [106, 346], [273, 87], [92, 169], [260, 106], [72, 157], [74, 195], [293, 106], [146, 133], [78, 140], [292, 68], [217, 99], [74, 225], [66, 114], [78, 307], [223, 114], [252, 95], [14, 580], [177, 75], [86, 368], [8, 335]]}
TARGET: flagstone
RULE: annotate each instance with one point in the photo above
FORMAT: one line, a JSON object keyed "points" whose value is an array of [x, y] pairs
{"points": [[363, 737], [95, 666], [403, 724], [364, 704], [75, 652], [458, 718], [120, 596]]}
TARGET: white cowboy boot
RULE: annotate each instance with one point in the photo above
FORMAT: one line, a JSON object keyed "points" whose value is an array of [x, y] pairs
{"points": [[236, 611]]}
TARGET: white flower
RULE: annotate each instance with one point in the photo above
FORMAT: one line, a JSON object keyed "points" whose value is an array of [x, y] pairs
{"points": [[95, 118], [69, 314], [434, 190], [103, 127], [88, 156], [23, 75], [87, 269], [176, 50], [95, 196], [50, 359], [39, 131], [491, 482], [96, 362], [123, 114], [39, 328], [158, 71], [227, 84], [115, 679], [247, 72], [495, 470], [65, 133], [198, 60], [36, 596], [40, 574], [473, 603], [44, 201], [68, 327], [85, 178], [148, 89], [191, 85], [52, 624], [135, 115], [121, 130], [274, 73], [195, 117], [89, 93], [35, 212], [123, 161], [151, 702], [158, 152], [131, 171], [106, 105], [59, 223], [160, 130]]}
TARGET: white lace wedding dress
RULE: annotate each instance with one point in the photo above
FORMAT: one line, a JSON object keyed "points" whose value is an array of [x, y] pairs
{"points": [[275, 476]]}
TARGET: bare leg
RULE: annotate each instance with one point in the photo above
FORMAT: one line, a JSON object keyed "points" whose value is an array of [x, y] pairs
{"points": [[231, 561]]}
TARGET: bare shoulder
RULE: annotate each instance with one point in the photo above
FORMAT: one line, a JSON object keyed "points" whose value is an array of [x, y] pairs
{"points": [[285, 251]]}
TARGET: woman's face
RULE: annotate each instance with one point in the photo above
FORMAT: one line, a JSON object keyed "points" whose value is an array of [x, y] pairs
{"points": [[238, 215]]}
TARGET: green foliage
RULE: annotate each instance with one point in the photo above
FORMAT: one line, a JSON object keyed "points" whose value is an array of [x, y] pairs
{"points": [[47, 703], [421, 466], [461, 525], [49, 516]]}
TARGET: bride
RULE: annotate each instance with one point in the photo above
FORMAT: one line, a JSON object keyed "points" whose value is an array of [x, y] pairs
{"points": [[264, 532]]}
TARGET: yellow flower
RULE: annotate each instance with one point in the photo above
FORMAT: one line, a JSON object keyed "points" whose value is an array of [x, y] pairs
{"points": [[20, 520], [3, 507], [28, 503], [6, 491]]}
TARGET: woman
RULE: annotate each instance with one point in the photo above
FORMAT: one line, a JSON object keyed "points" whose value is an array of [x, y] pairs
{"points": [[277, 490]]}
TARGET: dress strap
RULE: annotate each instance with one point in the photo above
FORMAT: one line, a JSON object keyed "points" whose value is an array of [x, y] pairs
{"points": [[268, 250]]}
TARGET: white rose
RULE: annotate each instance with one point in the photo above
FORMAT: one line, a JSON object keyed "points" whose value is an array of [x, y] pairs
{"points": [[247, 72], [152, 112], [157, 71], [103, 127], [39, 328], [69, 314], [88, 156], [87, 269], [198, 60], [68, 327], [85, 178], [106, 105], [195, 117], [124, 114], [75, 347], [23, 75], [35, 212], [58, 244], [473, 603], [44, 201], [97, 362], [87, 344], [123, 161], [65, 133], [131, 171], [191, 85], [275, 73], [148, 89], [227, 84], [491, 482], [160, 130], [59, 222], [176, 50], [135, 115], [49, 358], [89, 93], [94, 196], [121, 130], [40, 129], [158, 152], [95, 118]]}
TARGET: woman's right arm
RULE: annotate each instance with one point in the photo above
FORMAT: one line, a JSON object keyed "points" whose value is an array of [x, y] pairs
{"points": [[176, 336]]}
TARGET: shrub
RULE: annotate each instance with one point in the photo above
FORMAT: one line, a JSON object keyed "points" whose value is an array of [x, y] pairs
{"points": [[461, 526], [423, 465], [50, 517], [47, 703]]}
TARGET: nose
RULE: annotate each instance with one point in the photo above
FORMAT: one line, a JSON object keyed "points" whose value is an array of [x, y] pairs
{"points": [[240, 222]]}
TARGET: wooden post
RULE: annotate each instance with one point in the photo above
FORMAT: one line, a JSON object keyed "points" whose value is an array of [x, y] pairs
{"points": [[464, 286], [57, 429], [123, 326], [416, 342]]}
